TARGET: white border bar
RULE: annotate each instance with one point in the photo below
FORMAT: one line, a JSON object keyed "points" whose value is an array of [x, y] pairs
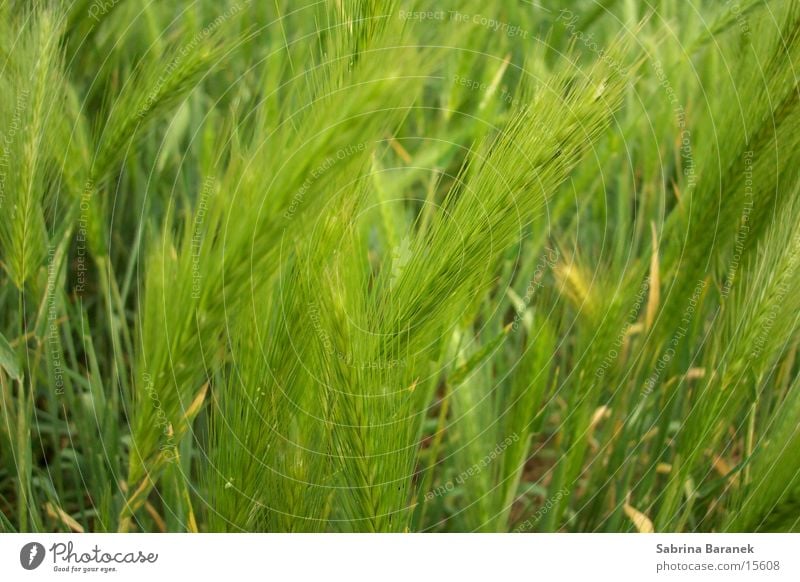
{"points": [[406, 557]]}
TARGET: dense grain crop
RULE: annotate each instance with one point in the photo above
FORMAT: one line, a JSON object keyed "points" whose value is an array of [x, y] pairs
{"points": [[388, 266]]}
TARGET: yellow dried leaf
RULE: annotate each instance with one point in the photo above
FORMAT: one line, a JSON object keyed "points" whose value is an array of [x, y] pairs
{"points": [[63, 517], [639, 519]]}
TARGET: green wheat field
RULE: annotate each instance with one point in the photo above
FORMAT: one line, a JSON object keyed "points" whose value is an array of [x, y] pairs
{"points": [[399, 266]]}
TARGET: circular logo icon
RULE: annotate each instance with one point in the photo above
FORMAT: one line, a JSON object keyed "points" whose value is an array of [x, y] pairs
{"points": [[31, 555]]}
